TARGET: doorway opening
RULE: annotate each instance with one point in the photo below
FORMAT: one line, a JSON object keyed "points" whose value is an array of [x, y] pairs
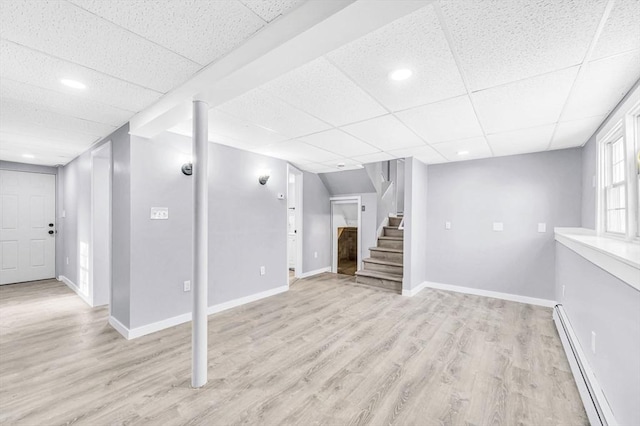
{"points": [[346, 235], [100, 251], [294, 223]]}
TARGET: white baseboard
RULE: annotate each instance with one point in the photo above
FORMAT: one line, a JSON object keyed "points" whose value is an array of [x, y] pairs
{"points": [[493, 294], [413, 291], [76, 289], [593, 399], [181, 319], [316, 272]]}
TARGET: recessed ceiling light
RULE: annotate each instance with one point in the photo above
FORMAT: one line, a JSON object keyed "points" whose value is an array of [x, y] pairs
{"points": [[463, 152], [400, 74], [28, 156], [73, 83]]}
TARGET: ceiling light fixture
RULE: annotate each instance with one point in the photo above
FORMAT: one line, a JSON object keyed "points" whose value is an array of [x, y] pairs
{"points": [[28, 156], [73, 83], [463, 152], [400, 74]]}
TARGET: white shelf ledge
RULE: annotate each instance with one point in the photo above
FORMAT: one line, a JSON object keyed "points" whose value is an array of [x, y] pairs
{"points": [[618, 257]]}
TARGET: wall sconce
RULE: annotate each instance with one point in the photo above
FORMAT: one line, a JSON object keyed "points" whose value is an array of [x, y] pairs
{"points": [[264, 176], [187, 169]]}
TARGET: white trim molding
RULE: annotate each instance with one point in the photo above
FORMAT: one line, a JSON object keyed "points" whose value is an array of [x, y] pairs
{"points": [[76, 289], [183, 318], [410, 292], [488, 293], [315, 272], [593, 399]]}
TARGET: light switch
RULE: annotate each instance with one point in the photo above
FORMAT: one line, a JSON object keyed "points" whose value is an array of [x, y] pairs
{"points": [[263, 270], [498, 226], [542, 227], [159, 213], [447, 225], [593, 181]]}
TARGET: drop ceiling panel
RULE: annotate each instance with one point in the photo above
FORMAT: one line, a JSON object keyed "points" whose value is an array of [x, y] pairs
{"points": [[443, 121], [320, 89], [424, 153], [24, 115], [68, 32], [344, 164], [269, 10], [298, 152], [415, 42], [316, 168], [374, 158], [621, 32], [37, 134], [521, 141], [37, 69], [526, 103], [476, 147], [501, 41], [339, 142], [62, 103], [263, 109], [576, 132], [385, 133], [602, 85], [201, 31]]}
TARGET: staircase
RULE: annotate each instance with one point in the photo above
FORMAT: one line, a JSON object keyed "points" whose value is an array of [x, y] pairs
{"points": [[384, 268]]}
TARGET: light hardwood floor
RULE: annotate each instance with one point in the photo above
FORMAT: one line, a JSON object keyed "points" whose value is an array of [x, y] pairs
{"points": [[325, 352]]}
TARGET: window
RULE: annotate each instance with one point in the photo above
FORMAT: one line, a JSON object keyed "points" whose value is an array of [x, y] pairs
{"points": [[615, 187]]}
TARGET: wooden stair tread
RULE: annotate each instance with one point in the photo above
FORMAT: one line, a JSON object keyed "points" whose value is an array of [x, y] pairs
{"points": [[379, 275], [384, 237], [392, 227], [381, 261], [386, 249]]}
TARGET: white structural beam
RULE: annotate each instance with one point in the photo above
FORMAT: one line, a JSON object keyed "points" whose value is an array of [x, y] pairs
{"points": [[200, 243]]}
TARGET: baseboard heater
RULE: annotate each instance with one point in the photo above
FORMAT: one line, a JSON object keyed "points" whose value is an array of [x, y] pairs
{"points": [[593, 398]]}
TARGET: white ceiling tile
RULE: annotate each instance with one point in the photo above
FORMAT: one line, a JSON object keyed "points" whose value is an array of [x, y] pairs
{"points": [[521, 141], [270, 9], [264, 109], [385, 133], [66, 31], [476, 147], [415, 41], [63, 103], [424, 153], [320, 89], [61, 138], [199, 30], [602, 85], [316, 168], [621, 33], [343, 164], [339, 142], [526, 103], [27, 66], [374, 158], [298, 152], [16, 114], [443, 121], [501, 41], [575, 132]]}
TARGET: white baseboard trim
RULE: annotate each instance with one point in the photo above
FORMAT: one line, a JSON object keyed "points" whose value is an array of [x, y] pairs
{"points": [[181, 319], [593, 399], [316, 272], [76, 289], [413, 291], [493, 294]]}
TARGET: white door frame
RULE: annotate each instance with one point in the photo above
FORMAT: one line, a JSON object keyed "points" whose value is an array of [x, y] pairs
{"points": [[334, 243], [95, 153], [298, 214]]}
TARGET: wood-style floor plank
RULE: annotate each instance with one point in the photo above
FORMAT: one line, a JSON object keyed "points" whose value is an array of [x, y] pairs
{"points": [[328, 351]]}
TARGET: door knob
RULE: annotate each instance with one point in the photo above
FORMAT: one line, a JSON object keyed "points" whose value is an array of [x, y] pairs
{"points": [[50, 232]]}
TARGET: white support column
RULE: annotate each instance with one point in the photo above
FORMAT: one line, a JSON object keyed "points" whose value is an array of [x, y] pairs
{"points": [[200, 243]]}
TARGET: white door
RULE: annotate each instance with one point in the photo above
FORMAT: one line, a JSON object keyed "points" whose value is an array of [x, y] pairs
{"points": [[27, 226]]}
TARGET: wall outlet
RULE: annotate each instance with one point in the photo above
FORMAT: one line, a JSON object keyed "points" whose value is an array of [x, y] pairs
{"points": [[280, 196], [64, 213], [315, 254], [67, 260], [159, 213], [498, 226], [263, 270], [593, 181], [564, 287], [593, 342], [187, 286], [542, 227], [447, 225]]}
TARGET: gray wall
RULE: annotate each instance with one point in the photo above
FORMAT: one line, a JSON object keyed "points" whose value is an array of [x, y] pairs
{"points": [[596, 301], [247, 227], [416, 218], [520, 191], [589, 164], [316, 224]]}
